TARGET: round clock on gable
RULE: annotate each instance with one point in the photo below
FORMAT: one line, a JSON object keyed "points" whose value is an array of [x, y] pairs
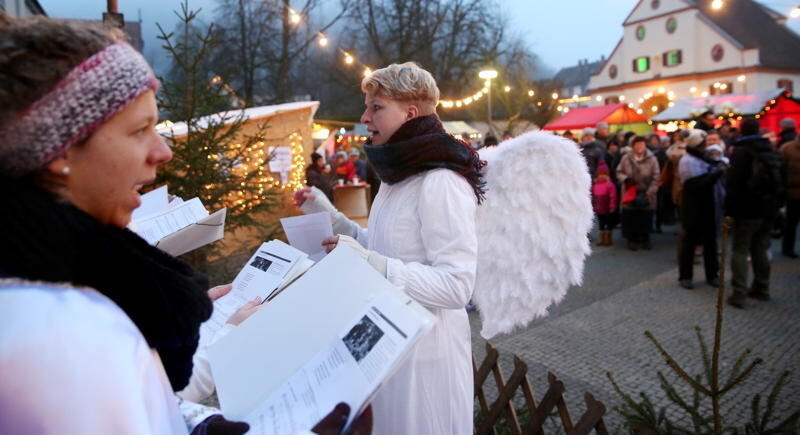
{"points": [[672, 24], [640, 32], [655, 4], [717, 53], [612, 71]]}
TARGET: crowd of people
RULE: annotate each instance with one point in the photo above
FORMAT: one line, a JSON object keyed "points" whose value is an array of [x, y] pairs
{"points": [[345, 168], [695, 177]]}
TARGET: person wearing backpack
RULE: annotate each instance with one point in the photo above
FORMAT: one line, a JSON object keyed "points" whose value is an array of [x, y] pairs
{"points": [[791, 160], [754, 194]]}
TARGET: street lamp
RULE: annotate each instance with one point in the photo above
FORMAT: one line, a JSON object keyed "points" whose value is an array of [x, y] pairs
{"points": [[488, 75]]}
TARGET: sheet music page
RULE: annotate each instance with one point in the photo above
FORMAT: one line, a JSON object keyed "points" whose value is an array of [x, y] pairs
{"points": [[306, 232], [264, 272], [153, 202], [350, 369], [155, 227], [207, 230]]}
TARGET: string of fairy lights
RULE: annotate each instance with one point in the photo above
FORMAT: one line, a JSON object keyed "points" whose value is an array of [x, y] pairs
{"points": [[255, 155], [350, 59], [254, 159]]}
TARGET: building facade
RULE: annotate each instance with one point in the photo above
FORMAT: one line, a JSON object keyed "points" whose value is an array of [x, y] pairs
{"points": [[21, 8], [673, 49], [574, 80]]}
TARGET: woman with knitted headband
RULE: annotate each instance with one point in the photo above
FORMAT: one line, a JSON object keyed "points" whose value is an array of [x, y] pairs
{"points": [[97, 327], [422, 238], [77, 142]]}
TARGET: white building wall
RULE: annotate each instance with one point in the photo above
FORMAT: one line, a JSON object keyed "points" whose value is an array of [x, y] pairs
{"points": [[707, 38], [761, 81], [695, 37], [645, 9], [16, 8], [656, 42]]}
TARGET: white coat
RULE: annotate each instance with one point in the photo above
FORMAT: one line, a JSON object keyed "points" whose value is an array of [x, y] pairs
{"points": [[425, 226], [72, 362]]}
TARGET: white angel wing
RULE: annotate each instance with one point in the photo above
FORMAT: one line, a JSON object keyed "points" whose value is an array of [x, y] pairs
{"points": [[532, 229]]}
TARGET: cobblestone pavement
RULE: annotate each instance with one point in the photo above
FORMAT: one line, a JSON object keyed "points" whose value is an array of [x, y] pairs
{"points": [[599, 328]]}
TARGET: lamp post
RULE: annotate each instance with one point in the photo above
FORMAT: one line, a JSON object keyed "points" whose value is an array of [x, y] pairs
{"points": [[488, 75]]}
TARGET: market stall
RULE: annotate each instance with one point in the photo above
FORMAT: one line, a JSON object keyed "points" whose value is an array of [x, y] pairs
{"points": [[619, 117], [770, 107], [287, 139], [459, 128]]}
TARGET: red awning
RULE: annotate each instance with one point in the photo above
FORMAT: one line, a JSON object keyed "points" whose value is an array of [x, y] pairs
{"points": [[582, 117]]}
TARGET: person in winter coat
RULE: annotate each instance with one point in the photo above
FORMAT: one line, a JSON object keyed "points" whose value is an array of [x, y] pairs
{"points": [[698, 211], [791, 160], [592, 151], [71, 179], [604, 203], [665, 211], [422, 238], [669, 176], [705, 121], [638, 168], [316, 175], [788, 131], [359, 165], [602, 134], [344, 168], [715, 154], [753, 212], [97, 327]]}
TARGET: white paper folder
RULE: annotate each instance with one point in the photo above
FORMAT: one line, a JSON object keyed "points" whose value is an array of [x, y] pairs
{"points": [[174, 225], [205, 231], [340, 308]]}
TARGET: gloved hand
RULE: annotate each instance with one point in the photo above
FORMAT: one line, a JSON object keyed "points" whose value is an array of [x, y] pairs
{"points": [[312, 200], [218, 425], [334, 422], [377, 261]]}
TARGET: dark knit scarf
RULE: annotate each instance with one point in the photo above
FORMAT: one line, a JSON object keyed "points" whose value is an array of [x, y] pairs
{"points": [[44, 239], [421, 144]]}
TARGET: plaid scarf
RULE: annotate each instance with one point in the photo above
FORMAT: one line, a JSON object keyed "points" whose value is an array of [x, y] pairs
{"points": [[422, 144]]}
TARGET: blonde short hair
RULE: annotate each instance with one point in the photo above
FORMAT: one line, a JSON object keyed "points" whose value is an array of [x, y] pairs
{"points": [[406, 82]]}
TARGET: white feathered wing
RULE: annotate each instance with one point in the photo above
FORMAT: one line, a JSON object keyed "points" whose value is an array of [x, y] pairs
{"points": [[532, 229]]}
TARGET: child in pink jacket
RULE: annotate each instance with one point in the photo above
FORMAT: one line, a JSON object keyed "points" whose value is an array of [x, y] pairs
{"points": [[604, 202]]}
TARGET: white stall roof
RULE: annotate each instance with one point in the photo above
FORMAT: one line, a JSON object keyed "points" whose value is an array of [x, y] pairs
{"points": [[179, 129], [458, 127], [744, 104]]}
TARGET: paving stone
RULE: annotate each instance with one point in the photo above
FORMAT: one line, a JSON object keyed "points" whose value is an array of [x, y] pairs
{"points": [[599, 328]]}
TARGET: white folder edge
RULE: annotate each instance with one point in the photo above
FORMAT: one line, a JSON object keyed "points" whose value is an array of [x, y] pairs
{"points": [[207, 230], [259, 355]]}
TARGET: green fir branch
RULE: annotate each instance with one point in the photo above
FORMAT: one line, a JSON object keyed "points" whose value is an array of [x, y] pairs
{"points": [[704, 354], [737, 366], [742, 376], [675, 366], [672, 394]]}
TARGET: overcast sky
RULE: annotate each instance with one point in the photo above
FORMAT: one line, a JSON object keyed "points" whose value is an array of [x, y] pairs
{"points": [[560, 31]]}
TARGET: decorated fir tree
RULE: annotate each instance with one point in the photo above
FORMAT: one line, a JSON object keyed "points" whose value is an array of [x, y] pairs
{"points": [[213, 158]]}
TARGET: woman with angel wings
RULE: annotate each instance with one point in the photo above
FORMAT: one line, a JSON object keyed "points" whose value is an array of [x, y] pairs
{"points": [[433, 234]]}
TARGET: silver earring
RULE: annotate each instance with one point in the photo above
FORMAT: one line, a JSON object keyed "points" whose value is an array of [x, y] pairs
{"points": [[65, 170]]}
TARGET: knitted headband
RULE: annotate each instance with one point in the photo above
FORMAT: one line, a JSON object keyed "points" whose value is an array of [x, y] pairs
{"points": [[89, 95]]}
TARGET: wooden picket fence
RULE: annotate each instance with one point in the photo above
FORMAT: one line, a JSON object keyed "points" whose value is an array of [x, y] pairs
{"points": [[502, 411]]}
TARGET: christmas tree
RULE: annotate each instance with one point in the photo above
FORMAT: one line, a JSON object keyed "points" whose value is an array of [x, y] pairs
{"points": [[213, 158]]}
